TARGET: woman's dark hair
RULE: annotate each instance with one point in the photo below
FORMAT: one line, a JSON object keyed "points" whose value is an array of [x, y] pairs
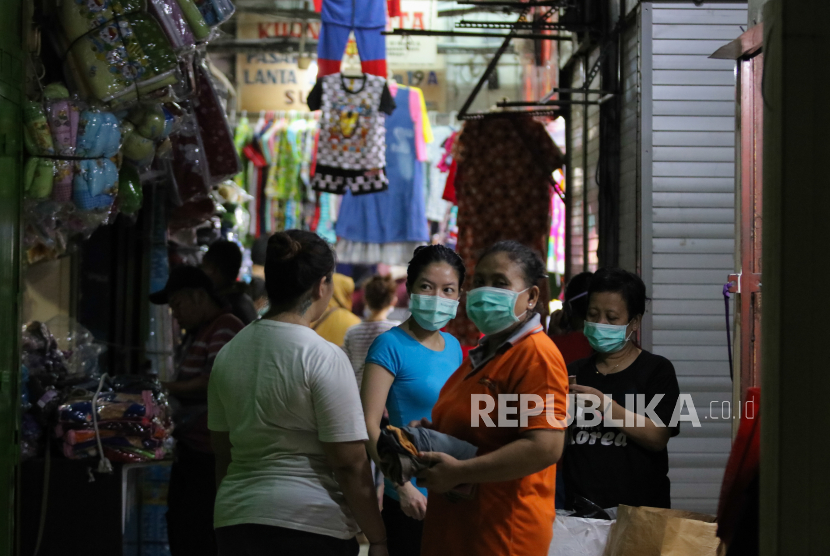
{"points": [[576, 308], [532, 266], [379, 291], [296, 260], [428, 254], [630, 287]]}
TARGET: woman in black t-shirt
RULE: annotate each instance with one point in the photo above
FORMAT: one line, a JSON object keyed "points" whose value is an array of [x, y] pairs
{"points": [[623, 459]]}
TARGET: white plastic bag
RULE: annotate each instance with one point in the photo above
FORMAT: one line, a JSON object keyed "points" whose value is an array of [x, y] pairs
{"points": [[579, 536]]}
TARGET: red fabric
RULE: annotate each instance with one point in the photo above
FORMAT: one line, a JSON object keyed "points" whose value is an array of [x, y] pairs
{"points": [[502, 187], [449, 188], [313, 165], [374, 67], [448, 145], [327, 67], [393, 7], [254, 156], [743, 466], [318, 6], [315, 220], [573, 346]]}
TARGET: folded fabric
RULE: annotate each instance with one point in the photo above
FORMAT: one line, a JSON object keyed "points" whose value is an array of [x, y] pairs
{"points": [[116, 455], [123, 60], [130, 195], [95, 183], [88, 130], [99, 135], [116, 441], [36, 133], [62, 185], [63, 116], [124, 428], [194, 19], [81, 411], [398, 449], [173, 23], [75, 437], [220, 151], [79, 17], [39, 175]]}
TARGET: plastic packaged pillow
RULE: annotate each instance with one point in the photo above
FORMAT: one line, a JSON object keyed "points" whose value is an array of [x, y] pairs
{"points": [[38, 176], [95, 184], [36, 134]]}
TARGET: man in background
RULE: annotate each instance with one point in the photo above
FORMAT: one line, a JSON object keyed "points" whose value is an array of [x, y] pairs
{"points": [[208, 326], [222, 263]]}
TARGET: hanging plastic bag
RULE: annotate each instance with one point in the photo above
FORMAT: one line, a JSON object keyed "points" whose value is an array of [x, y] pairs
{"points": [[78, 345]]}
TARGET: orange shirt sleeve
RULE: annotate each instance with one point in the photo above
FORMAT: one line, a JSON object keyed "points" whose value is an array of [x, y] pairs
{"points": [[544, 375]]}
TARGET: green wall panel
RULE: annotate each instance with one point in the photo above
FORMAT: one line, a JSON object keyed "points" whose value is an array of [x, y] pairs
{"points": [[11, 133]]}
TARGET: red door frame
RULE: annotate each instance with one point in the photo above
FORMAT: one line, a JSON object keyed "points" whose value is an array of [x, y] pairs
{"points": [[748, 283]]}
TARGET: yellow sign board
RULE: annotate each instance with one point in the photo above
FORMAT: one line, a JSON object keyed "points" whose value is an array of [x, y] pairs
{"points": [[433, 83], [268, 81]]}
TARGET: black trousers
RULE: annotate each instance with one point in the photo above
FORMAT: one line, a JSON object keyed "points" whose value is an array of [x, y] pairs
{"points": [[265, 540], [190, 500], [403, 533]]}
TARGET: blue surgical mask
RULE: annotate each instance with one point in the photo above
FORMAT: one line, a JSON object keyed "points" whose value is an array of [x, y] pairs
{"points": [[432, 312], [606, 338], [493, 309]]}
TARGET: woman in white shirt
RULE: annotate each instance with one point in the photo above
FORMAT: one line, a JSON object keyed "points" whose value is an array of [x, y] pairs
{"points": [[287, 425]]}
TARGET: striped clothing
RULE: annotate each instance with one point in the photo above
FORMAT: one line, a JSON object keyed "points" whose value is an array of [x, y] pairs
{"points": [[198, 353], [358, 340]]}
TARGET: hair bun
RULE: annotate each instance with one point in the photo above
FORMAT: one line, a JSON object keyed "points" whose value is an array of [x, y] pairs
{"points": [[282, 247]]}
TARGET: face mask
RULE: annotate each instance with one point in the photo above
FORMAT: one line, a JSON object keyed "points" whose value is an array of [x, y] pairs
{"points": [[432, 312], [493, 309], [606, 338]]}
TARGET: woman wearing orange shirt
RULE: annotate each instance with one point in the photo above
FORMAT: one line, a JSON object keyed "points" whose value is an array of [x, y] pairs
{"points": [[512, 508]]}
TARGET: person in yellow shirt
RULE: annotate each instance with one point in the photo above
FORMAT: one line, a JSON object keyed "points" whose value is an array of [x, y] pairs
{"points": [[338, 318]]}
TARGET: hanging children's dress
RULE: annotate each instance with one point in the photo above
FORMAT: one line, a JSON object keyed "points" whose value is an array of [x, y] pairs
{"points": [[387, 226], [352, 147]]}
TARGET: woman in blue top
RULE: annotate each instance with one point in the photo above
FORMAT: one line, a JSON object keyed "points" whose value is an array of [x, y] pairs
{"points": [[405, 370]]}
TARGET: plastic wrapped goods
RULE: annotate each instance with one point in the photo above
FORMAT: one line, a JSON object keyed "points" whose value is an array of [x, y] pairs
{"points": [[95, 184], [121, 60], [169, 14], [130, 195]]}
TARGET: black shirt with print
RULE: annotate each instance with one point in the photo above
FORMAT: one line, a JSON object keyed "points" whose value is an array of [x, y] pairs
{"points": [[602, 463]]}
